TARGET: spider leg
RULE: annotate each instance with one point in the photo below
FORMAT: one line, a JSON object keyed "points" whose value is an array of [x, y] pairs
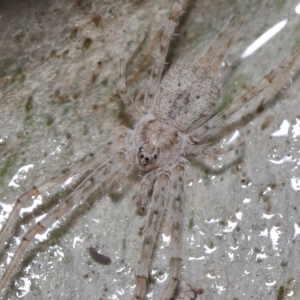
{"points": [[81, 192], [216, 64], [200, 149], [177, 202], [42, 225], [154, 81], [227, 148], [127, 99], [7, 229], [203, 152], [141, 199], [122, 88], [206, 58], [160, 193], [271, 84], [120, 176]]}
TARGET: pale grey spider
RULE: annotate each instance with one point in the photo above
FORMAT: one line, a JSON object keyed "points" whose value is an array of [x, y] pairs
{"points": [[177, 119]]}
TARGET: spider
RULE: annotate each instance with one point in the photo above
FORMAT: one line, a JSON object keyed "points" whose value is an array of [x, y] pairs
{"points": [[177, 119]]}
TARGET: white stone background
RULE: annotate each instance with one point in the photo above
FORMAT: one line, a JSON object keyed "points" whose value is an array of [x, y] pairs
{"points": [[242, 241]]}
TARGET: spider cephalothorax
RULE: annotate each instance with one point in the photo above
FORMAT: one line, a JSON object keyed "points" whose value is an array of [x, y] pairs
{"points": [[156, 143]]}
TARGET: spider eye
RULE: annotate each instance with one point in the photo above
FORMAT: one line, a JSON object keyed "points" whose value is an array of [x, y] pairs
{"points": [[142, 155], [155, 156], [147, 158]]}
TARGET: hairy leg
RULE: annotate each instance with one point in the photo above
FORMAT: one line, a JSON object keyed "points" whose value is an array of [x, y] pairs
{"points": [[207, 57], [270, 85], [116, 182], [217, 61], [107, 169], [122, 88], [141, 199], [156, 212], [80, 166], [177, 202], [154, 81]]}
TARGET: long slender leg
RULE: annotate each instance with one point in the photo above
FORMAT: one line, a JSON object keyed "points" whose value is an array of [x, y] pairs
{"points": [[83, 164], [160, 193], [219, 169], [206, 58], [271, 84], [216, 64], [154, 81], [122, 88], [141, 199], [81, 192], [195, 149], [116, 181], [127, 99], [77, 195], [177, 202]]}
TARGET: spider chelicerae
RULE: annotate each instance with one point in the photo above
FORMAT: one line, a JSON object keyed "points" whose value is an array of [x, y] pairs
{"points": [[177, 119]]}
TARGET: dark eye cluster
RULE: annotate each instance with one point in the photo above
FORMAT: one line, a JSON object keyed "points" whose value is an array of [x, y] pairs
{"points": [[146, 157]]}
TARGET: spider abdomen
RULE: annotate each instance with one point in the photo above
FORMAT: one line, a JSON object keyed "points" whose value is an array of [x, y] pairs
{"points": [[188, 95]]}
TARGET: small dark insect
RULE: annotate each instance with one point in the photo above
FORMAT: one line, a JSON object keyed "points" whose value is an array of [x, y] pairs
{"points": [[98, 257]]}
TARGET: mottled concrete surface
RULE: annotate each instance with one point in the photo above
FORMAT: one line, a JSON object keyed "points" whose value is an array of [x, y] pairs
{"points": [[58, 74]]}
